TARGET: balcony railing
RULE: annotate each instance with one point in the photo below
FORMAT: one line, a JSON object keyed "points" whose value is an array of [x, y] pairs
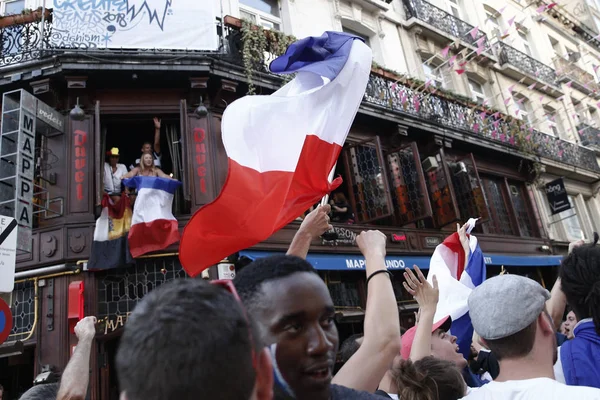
{"points": [[581, 79], [445, 112], [589, 135], [525, 63], [23, 42], [442, 20]]}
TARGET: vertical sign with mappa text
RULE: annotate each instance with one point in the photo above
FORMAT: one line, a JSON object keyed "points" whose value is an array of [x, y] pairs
{"points": [[25, 175], [137, 24]]}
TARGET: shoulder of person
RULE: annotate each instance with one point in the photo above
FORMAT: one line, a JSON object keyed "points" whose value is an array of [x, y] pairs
{"points": [[343, 393]]}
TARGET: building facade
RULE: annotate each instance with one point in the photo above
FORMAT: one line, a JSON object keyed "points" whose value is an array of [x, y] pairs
{"points": [[472, 107]]}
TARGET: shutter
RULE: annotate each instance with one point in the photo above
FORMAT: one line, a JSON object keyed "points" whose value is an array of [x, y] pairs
{"points": [[407, 182], [368, 186]]}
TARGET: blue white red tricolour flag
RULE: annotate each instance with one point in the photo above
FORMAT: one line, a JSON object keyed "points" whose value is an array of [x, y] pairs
{"points": [[153, 226], [281, 148], [456, 282]]}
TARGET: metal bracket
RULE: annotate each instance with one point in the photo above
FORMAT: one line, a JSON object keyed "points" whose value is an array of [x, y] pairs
{"points": [[50, 299]]}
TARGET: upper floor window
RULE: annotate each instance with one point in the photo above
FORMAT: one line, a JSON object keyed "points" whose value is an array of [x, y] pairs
{"points": [[453, 6], [477, 91], [553, 120], [491, 21], [433, 75], [523, 38], [360, 35], [524, 107], [13, 7], [262, 12]]}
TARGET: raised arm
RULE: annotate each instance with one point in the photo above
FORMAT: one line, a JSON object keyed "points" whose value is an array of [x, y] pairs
{"points": [[381, 341], [427, 296], [161, 174], [75, 379], [131, 173], [156, 135], [314, 225]]}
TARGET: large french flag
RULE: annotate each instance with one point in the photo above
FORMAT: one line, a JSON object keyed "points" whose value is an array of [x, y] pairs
{"points": [[281, 148], [153, 226], [456, 282]]}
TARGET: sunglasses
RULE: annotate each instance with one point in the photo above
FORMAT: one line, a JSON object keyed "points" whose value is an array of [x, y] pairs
{"points": [[227, 284]]}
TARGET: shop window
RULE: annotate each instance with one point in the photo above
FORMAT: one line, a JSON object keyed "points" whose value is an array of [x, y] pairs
{"points": [[367, 181], [499, 223], [518, 197], [441, 192], [344, 289], [467, 189], [407, 182]]}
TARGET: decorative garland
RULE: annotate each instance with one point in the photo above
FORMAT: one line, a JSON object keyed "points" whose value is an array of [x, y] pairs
{"points": [[257, 42]]}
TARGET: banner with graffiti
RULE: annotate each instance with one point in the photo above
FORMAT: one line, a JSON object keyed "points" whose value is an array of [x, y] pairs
{"points": [[134, 24]]}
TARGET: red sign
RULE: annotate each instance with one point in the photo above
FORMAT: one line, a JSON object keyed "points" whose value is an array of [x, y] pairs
{"points": [[80, 162], [200, 157], [5, 321]]}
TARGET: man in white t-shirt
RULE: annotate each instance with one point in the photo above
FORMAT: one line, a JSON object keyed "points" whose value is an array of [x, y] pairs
{"points": [[509, 313]]}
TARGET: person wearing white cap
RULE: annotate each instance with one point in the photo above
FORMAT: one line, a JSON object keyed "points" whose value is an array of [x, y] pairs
{"points": [[113, 172], [509, 313]]}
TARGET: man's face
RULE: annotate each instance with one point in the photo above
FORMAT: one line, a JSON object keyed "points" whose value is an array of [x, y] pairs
{"points": [[147, 148], [570, 323], [443, 346], [299, 317]]}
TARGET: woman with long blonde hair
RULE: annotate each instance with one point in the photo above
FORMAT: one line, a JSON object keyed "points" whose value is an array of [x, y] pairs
{"points": [[146, 167]]}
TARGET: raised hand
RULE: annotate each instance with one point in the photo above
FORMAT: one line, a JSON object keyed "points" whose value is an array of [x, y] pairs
{"points": [[86, 328], [426, 295], [156, 123], [316, 222], [372, 243]]}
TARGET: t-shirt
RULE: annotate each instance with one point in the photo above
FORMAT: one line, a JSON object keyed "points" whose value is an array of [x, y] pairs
{"points": [[532, 389], [344, 393], [112, 181]]}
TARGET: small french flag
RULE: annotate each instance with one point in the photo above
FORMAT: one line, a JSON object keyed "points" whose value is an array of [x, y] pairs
{"points": [[153, 226], [456, 282]]}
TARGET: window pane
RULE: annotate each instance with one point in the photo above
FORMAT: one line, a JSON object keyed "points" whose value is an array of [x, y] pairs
{"points": [[499, 222], [266, 6], [440, 195], [14, 7], [523, 218], [246, 15], [360, 35], [571, 222]]}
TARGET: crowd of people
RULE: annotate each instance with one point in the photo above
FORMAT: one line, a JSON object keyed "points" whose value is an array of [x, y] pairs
{"points": [[271, 334]]}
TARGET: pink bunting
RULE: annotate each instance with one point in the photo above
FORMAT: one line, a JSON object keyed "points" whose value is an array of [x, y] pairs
{"points": [[496, 123], [506, 101], [445, 51], [511, 88], [460, 71], [427, 83], [528, 137], [500, 11], [598, 104], [521, 100], [545, 87], [530, 131], [474, 32], [394, 86], [532, 86], [485, 102], [541, 9], [517, 112], [552, 118], [502, 137], [496, 114], [570, 83], [541, 99], [552, 5], [462, 64], [511, 21], [482, 115], [479, 50], [512, 140], [416, 103], [461, 116], [580, 131], [403, 98], [452, 59], [560, 153], [480, 41], [596, 68], [476, 128], [560, 98]]}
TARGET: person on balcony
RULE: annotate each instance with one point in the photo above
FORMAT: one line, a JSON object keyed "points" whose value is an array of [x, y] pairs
{"points": [[340, 209], [147, 167], [113, 172], [149, 148]]}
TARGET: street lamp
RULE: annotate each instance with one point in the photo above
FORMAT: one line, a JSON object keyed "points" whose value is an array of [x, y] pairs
{"points": [[201, 111], [77, 114]]}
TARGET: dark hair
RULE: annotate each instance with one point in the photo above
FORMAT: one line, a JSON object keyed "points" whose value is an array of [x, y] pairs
{"points": [[516, 345], [429, 378], [48, 391], [580, 281], [249, 281], [184, 339], [349, 347], [147, 142]]}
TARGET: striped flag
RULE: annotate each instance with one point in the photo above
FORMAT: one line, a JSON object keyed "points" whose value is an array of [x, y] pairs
{"points": [[110, 248], [153, 226], [455, 282], [281, 148]]}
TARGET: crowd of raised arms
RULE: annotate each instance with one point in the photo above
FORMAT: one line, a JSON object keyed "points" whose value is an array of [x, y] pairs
{"points": [[271, 334]]}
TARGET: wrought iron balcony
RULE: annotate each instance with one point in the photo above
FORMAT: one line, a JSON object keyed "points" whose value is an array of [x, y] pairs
{"points": [[589, 135], [449, 113], [525, 63], [23, 42], [442, 20], [581, 79]]}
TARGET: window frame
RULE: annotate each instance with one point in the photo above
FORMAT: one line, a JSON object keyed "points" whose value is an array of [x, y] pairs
{"points": [[470, 81], [431, 76], [261, 16], [6, 2]]}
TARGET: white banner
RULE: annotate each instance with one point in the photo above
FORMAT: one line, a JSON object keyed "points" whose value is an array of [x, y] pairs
{"points": [[134, 24]]}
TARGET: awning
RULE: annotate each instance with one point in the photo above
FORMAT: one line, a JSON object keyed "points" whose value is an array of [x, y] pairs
{"points": [[349, 262]]}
